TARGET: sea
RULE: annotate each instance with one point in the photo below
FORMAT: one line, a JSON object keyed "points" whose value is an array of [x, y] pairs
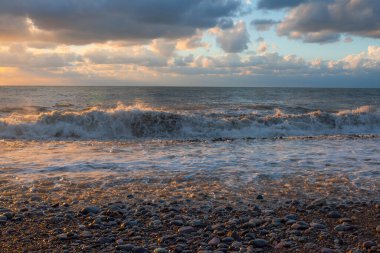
{"points": [[278, 137]]}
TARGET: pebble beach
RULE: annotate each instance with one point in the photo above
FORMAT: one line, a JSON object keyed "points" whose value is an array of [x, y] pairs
{"points": [[181, 215]]}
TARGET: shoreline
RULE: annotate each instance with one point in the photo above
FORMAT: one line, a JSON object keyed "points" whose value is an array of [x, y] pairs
{"points": [[191, 215]]}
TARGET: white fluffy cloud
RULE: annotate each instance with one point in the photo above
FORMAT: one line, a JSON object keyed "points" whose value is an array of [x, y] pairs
{"points": [[157, 61]]}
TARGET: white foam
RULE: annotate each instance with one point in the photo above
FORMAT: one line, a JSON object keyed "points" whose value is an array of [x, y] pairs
{"points": [[139, 121]]}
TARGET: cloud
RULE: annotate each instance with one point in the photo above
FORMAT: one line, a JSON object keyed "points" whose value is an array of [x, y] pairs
{"points": [[278, 4], [321, 37], [234, 40], [263, 24], [325, 21], [148, 57], [106, 64], [163, 47], [17, 55], [263, 47], [348, 40], [192, 42], [85, 21]]}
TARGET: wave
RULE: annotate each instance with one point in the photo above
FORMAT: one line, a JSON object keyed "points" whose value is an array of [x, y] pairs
{"points": [[139, 122]]}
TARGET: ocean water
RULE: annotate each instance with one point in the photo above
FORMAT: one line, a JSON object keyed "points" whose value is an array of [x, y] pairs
{"points": [[279, 137]]}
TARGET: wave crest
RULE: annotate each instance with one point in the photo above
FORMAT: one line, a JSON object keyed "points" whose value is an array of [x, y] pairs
{"points": [[139, 121]]}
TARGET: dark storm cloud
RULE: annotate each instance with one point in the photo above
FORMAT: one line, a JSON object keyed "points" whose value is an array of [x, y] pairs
{"points": [[85, 21], [278, 4], [325, 21]]}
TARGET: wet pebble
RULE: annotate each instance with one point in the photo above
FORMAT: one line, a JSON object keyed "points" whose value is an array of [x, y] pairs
{"points": [[368, 244], [260, 243], [334, 215], [344, 228], [186, 230], [214, 241], [328, 250], [63, 236], [125, 247], [160, 250], [91, 209]]}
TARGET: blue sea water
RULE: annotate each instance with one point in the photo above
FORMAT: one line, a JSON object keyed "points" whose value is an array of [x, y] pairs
{"points": [[239, 135]]}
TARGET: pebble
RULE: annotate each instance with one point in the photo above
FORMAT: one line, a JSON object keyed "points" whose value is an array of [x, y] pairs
{"points": [[327, 250], [140, 250], [186, 230], [283, 244], [9, 215], [90, 209], [319, 202], [334, 215], [344, 227], [160, 250], [177, 222], [310, 246], [369, 244], [260, 243], [260, 197], [62, 236], [291, 217], [214, 241], [378, 229], [125, 247], [104, 240], [317, 226], [86, 234], [300, 225], [228, 239], [197, 223]]}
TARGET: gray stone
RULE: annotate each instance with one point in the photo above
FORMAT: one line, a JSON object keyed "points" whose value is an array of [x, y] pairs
{"points": [[125, 247], [368, 244], [291, 216], [300, 225], [197, 223], [177, 222], [317, 226], [160, 250], [319, 202], [214, 241], [140, 250], [86, 234], [104, 240], [186, 230], [228, 239], [334, 215], [260, 243], [310, 246], [90, 209], [344, 228], [327, 250], [62, 236], [9, 215]]}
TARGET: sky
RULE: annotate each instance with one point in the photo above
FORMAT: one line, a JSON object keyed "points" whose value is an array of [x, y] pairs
{"points": [[307, 43]]}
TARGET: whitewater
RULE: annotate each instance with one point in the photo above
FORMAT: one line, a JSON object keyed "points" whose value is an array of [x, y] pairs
{"points": [[283, 137]]}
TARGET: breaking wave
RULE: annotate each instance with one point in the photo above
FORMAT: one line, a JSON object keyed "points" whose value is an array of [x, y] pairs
{"points": [[138, 122]]}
